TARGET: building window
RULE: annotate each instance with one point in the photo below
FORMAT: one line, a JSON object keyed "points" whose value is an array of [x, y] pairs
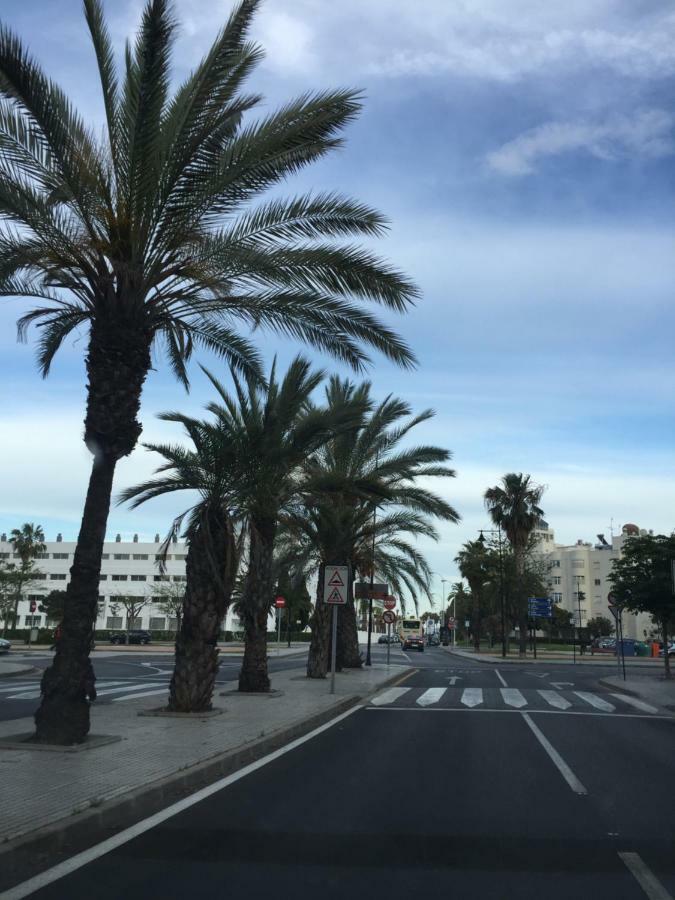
{"points": [[579, 579], [102, 577], [157, 623], [138, 578], [39, 576], [33, 621], [59, 555], [120, 556], [134, 622], [181, 556], [180, 577], [140, 555], [105, 556], [598, 582], [557, 598], [120, 577], [173, 625], [4, 555], [161, 578], [113, 622], [36, 597], [578, 564], [43, 555], [159, 557], [57, 577], [555, 563], [557, 579]]}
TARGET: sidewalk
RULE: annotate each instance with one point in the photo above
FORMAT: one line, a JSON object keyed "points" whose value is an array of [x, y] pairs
{"points": [[10, 667], [54, 797], [555, 657], [652, 688], [104, 648]]}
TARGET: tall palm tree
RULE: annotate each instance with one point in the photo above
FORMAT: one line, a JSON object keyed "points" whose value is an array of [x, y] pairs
{"points": [[150, 239], [514, 506], [474, 562], [245, 463], [28, 542], [361, 469]]}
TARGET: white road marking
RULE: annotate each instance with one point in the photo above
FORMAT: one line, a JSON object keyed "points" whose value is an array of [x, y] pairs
{"points": [[164, 690], [644, 876], [432, 695], [19, 687], [559, 685], [131, 687], [594, 700], [556, 758], [638, 704], [554, 699], [454, 679], [71, 865], [535, 712], [472, 697], [513, 697], [501, 677], [389, 696], [35, 693]]}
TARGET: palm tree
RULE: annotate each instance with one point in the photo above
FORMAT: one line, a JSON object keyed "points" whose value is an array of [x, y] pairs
{"points": [[150, 238], [28, 542], [514, 506], [245, 463], [474, 563], [359, 470]]}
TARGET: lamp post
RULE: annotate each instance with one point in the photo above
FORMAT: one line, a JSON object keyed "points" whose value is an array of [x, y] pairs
{"points": [[481, 540], [442, 608]]}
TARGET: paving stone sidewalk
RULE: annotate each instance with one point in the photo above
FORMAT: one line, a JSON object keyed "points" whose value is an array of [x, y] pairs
{"points": [[42, 788], [650, 687]]}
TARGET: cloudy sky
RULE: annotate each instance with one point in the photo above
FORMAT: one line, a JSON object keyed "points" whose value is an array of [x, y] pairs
{"points": [[524, 153]]}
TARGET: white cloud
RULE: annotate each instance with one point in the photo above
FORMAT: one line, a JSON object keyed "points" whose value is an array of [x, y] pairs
{"points": [[645, 134]]}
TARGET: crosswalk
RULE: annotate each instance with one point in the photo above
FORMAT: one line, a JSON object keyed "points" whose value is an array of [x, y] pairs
{"points": [[510, 698], [106, 691]]}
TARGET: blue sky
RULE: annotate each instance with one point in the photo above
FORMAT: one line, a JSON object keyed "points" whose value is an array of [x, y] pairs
{"points": [[524, 154]]}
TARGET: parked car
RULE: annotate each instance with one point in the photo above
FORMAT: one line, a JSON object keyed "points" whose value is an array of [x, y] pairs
{"points": [[433, 640], [5, 646], [603, 645], [388, 639], [671, 651], [135, 636]]}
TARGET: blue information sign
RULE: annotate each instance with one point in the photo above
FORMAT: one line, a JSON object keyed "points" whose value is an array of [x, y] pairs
{"points": [[540, 608]]}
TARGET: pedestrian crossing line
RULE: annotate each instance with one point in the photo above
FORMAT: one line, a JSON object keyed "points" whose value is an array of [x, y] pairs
{"points": [[594, 700], [131, 687], [19, 687], [472, 697], [432, 695], [34, 692], [513, 697], [554, 699], [638, 704], [389, 696], [163, 690]]}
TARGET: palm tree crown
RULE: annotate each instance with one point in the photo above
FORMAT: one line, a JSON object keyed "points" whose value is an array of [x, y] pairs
{"points": [[514, 506]]}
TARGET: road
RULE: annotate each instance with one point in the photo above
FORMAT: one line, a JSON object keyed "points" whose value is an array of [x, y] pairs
{"points": [[120, 676], [506, 796]]}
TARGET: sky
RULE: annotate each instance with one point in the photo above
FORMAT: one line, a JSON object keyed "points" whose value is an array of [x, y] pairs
{"points": [[523, 153]]}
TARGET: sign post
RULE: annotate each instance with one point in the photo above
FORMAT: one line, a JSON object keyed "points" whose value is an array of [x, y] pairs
{"points": [[538, 608], [335, 588], [616, 610], [389, 617], [279, 603]]}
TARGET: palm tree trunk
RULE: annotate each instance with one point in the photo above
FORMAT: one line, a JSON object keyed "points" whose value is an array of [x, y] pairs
{"points": [[256, 601], [348, 654], [63, 715], [210, 570], [319, 647], [118, 361]]}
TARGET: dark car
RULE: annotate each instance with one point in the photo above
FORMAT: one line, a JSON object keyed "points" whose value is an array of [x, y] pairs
{"points": [[388, 639], [413, 642], [135, 636]]}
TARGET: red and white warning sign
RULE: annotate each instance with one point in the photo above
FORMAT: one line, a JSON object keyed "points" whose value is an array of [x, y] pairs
{"points": [[335, 582]]}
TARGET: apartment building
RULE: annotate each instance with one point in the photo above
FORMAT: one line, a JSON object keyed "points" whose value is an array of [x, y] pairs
{"points": [[128, 569], [585, 567]]}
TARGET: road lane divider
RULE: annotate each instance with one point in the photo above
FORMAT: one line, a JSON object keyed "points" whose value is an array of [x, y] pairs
{"points": [[644, 876], [555, 757], [501, 677]]}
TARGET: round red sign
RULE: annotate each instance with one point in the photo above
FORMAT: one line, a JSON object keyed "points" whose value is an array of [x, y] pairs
{"points": [[280, 602], [389, 602]]}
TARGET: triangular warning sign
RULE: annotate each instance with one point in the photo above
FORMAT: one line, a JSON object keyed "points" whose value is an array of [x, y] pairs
{"points": [[335, 597], [336, 580]]}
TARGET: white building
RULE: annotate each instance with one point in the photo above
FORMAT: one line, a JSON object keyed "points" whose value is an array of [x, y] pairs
{"points": [[129, 568], [585, 567]]}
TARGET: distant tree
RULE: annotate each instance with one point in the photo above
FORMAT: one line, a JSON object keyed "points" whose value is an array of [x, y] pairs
{"points": [[29, 543], [9, 574], [298, 607], [133, 607], [169, 598], [642, 581], [53, 605], [599, 626]]}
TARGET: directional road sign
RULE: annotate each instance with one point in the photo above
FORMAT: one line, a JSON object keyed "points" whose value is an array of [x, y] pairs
{"points": [[363, 590], [335, 585], [540, 608], [388, 617]]}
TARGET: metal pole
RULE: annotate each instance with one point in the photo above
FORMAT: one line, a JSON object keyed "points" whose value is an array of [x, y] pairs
{"points": [[388, 642], [501, 593], [623, 655], [534, 637], [333, 650], [372, 578], [278, 631]]}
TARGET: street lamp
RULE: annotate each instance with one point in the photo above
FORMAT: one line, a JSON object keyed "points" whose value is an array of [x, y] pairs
{"points": [[441, 611], [481, 540]]}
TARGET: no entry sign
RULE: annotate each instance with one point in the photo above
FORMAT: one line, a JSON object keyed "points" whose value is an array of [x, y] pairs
{"points": [[389, 602]]}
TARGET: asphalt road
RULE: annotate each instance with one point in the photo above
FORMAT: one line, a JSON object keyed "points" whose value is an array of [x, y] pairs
{"points": [[119, 677], [485, 801]]}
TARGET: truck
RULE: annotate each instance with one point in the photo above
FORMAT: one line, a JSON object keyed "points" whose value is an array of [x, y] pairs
{"points": [[411, 634]]}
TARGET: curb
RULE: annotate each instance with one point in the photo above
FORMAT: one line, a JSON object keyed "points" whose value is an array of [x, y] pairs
{"points": [[27, 670], [29, 854], [617, 687]]}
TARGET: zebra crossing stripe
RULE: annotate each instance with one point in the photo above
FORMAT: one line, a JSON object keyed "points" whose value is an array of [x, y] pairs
{"points": [[389, 696], [594, 700], [553, 698], [432, 695], [638, 704], [163, 690], [18, 687], [472, 696], [131, 687], [513, 697]]}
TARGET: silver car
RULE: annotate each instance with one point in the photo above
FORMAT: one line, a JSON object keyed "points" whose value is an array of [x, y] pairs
{"points": [[5, 646]]}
